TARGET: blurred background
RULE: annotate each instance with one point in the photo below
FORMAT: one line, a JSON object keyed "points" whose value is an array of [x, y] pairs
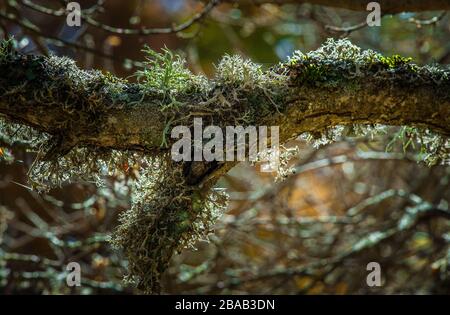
{"points": [[359, 199]]}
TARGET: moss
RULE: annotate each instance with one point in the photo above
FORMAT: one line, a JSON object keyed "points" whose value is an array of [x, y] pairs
{"points": [[339, 61], [394, 61], [111, 80], [7, 48], [311, 72]]}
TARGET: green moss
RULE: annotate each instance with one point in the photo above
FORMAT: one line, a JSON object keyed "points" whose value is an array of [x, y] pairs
{"points": [[7, 48], [394, 61], [312, 72], [341, 61], [108, 77]]}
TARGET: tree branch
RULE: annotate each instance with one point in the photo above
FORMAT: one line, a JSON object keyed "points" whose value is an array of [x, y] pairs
{"points": [[92, 109]]}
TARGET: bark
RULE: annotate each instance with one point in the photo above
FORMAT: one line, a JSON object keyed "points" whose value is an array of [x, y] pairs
{"points": [[91, 109]]}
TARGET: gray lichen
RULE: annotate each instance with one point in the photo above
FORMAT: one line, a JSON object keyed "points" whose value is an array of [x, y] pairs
{"points": [[168, 212]]}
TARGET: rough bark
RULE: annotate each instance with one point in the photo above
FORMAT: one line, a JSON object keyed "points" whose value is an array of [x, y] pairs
{"points": [[85, 108]]}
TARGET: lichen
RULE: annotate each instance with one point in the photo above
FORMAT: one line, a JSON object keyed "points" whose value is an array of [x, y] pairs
{"points": [[167, 72], [340, 60], [167, 215], [167, 212]]}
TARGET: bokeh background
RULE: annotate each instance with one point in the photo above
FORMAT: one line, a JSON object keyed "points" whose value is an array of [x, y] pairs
{"points": [[355, 200]]}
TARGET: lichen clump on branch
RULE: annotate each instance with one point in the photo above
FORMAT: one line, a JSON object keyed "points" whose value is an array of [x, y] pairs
{"points": [[173, 205]]}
